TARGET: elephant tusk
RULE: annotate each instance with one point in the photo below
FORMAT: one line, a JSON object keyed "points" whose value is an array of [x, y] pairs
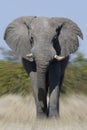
{"points": [[29, 55], [59, 58]]}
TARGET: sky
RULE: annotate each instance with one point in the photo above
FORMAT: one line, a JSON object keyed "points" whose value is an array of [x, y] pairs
{"points": [[73, 9]]}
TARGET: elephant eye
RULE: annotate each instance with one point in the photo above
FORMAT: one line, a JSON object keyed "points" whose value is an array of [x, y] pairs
{"points": [[56, 44], [54, 40], [31, 41]]}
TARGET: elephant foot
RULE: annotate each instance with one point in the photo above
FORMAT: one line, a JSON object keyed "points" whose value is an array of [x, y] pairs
{"points": [[53, 114], [41, 112], [41, 115]]}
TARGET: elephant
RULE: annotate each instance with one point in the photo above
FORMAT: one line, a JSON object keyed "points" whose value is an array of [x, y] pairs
{"points": [[45, 45]]}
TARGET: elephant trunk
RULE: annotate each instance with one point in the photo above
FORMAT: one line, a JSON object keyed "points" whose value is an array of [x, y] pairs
{"points": [[41, 89], [42, 59]]}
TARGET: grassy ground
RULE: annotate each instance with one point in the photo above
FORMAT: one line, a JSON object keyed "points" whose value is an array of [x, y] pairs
{"points": [[14, 79], [18, 113]]}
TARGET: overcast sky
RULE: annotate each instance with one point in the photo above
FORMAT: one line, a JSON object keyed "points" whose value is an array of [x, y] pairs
{"points": [[76, 10]]}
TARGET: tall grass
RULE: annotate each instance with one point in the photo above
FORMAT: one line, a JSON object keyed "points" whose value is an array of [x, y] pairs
{"points": [[13, 79], [18, 113]]}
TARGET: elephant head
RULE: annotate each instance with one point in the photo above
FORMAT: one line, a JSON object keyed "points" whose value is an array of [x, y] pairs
{"points": [[48, 37]]}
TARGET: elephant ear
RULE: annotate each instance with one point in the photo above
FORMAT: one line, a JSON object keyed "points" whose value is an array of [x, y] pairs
{"points": [[18, 36], [68, 33]]}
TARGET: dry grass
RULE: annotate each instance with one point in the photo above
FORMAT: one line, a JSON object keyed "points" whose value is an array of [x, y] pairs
{"points": [[18, 113]]}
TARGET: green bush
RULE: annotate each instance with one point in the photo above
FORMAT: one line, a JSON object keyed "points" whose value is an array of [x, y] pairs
{"points": [[13, 79], [75, 79]]}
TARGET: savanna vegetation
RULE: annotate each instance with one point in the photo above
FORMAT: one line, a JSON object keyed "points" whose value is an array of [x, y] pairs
{"points": [[15, 110], [13, 78]]}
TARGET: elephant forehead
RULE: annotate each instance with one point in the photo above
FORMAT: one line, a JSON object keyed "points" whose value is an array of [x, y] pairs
{"points": [[41, 25]]}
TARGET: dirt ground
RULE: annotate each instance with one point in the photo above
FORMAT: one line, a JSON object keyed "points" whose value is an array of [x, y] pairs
{"points": [[18, 113]]}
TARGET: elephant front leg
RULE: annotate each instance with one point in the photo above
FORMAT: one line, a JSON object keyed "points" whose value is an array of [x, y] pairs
{"points": [[54, 102], [42, 95], [54, 80], [30, 68], [40, 109]]}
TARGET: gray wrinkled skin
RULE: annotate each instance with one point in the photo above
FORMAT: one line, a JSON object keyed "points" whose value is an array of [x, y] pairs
{"points": [[44, 38]]}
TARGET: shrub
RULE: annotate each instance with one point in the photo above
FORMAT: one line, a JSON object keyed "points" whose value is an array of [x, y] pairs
{"points": [[14, 79]]}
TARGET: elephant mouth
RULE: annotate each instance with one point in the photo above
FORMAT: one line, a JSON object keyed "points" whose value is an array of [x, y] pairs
{"points": [[31, 57]]}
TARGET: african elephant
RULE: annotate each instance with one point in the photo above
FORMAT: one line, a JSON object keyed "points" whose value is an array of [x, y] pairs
{"points": [[44, 45]]}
